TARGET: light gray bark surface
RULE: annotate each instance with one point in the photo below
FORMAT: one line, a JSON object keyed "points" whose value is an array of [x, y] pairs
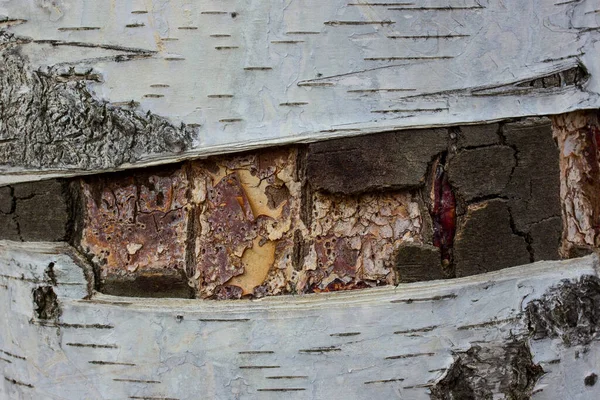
{"points": [[393, 342], [83, 75]]}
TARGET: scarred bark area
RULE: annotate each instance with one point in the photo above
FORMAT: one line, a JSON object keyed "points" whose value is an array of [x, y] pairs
{"points": [[247, 213], [578, 136], [135, 229], [50, 121], [357, 239]]}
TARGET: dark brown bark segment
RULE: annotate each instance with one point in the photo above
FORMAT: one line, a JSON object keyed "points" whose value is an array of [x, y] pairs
{"points": [[419, 262], [380, 161], [36, 211], [481, 172], [485, 242]]}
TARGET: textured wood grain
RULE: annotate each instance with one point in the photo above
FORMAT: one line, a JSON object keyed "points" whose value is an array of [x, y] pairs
{"points": [[243, 75]]}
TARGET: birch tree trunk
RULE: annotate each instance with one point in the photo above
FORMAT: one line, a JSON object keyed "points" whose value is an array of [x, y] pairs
{"points": [[184, 184]]}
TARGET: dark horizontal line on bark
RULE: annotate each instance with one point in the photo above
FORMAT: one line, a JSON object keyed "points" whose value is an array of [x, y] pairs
{"points": [[287, 377], [107, 302], [384, 381], [300, 103], [11, 22], [214, 12], [224, 319], [281, 390], [488, 323], [169, 39], [160, 85], [448, 8], [219, 96], [79, 28], [417, 330], [188, 28], [567, 2], [562, 58], [134, 380], [73, 326], [153, 96], [303, 33], [259, 366], [256, 352], [135, 25], [380, 4], [338, 23], [420, 386], [408, 58], [54, 42], [12, 355], [410, 110], [286, 41], [320, 350], [344, 334], [379, 90], [152, 398], [257, 68], [220, 35], [22, 278], [16, 382], [111, 363], [593, 12], [451, 36], [434, 298], [139, 12], [94, 345], [227, 120], [552, 362], [411, 355], [5, 360], [174, 58], [312, 84], [226, 47]]}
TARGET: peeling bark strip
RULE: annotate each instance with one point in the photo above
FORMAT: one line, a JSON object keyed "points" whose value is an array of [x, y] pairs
{"points": [[578, 136], [50, 121], [355, 70]]}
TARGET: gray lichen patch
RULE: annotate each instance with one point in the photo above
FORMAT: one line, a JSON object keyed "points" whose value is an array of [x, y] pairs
{"points": [[483, 372], [569, 311], [50, 123]]}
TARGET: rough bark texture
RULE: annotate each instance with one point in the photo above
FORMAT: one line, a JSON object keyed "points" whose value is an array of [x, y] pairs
{"points": [[308, 219], [36, 211], [578, 135], [50, 121]]}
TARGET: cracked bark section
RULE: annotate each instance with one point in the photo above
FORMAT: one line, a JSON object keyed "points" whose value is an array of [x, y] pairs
{"points": [[508, 193], [357, 239], [306, 219], [48, 122], [38, 211], [135, 232]]}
